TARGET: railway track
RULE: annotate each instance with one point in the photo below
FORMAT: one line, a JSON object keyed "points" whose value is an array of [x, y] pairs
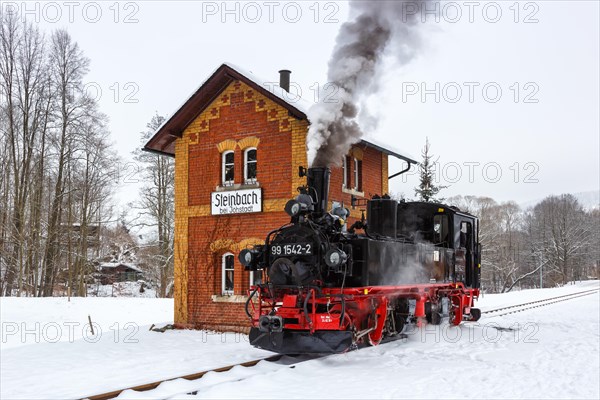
{"points": [[537, 303], [288, 361], [148, 387]]}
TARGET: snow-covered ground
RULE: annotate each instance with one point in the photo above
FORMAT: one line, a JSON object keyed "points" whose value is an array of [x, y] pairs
{"points": [[547, 352]]}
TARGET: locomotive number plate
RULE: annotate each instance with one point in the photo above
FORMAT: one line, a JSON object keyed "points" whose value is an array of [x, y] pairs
{"points": [[295, 249]]}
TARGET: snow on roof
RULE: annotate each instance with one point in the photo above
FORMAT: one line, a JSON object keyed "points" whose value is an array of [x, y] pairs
{"points": [[273, 87], [117, 264], [390, 150]]}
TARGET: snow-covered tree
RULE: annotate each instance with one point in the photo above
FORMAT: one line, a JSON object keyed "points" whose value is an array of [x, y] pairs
{"points": [[427, 189]]}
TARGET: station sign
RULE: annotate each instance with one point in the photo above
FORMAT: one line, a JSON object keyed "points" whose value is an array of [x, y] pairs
{"points": [[236, 202]]}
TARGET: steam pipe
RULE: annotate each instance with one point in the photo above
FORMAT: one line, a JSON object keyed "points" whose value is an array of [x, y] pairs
{"points": [[248, 303]]}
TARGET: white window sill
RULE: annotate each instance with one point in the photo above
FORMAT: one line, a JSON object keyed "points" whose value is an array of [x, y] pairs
{"points": [[353, 192], [234, 298], [237, 186]]}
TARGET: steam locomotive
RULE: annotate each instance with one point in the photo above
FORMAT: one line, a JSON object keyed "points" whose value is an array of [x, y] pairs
{"points": [[331, 287]]}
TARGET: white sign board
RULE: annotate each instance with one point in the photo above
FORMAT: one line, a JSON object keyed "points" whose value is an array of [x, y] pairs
{"points": [[236, 202]]}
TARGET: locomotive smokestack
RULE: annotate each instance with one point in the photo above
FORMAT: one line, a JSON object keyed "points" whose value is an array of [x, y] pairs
{"points": [[318, 186], [284, 79]]}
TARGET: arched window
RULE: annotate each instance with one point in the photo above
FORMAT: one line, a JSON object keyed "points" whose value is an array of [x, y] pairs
{"points": [[228, 168], [227, 273], [250, 162]]}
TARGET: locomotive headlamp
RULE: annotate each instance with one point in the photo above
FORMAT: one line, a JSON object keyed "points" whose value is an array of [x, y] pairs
{"points": [[293, 208], [249, 258], [245, 257], [335, 258]]}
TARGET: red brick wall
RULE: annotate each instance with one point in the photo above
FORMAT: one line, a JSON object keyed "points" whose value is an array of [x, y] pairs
{"points": [[237, 121], [205, 264], [371, 177], [208, 237]]}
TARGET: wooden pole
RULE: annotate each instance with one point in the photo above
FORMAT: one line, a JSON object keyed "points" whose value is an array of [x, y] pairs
{"points": [[91, 326]]}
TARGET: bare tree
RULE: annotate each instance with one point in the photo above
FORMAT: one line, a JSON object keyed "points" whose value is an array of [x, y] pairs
{"points": [[93, 158], [24, 84], [54, 181], [68, 66], [156, 205], [502, 238], [560, 235]]}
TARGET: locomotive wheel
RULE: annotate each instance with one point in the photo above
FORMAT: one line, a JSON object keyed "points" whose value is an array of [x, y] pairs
{"points": [[433, 316], [401, 314]]}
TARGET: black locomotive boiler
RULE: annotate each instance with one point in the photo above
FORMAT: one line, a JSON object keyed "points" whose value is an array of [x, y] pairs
{"points": [[330, 286]]}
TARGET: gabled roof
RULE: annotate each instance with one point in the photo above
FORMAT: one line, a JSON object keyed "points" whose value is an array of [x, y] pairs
{"points": [[163, 141], [109, 265]]}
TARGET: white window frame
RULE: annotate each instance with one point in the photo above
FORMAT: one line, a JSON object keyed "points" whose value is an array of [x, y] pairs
{"points": [[252, 277], [223, 158], [225, 292], [246, 179], [355, 173], [345, 183]]}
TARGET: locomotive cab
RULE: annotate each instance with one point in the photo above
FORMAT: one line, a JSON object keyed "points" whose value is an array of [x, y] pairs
{"points": [[452, 232]]}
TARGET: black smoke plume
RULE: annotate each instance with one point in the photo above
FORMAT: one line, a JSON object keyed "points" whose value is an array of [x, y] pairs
{"points": [[377, 28]]}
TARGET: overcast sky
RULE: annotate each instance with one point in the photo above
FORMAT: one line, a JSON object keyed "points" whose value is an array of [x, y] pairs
{"points": [[511, 88]]}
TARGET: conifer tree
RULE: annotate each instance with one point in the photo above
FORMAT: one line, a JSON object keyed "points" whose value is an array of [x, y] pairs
{"points": [[427, 189]]}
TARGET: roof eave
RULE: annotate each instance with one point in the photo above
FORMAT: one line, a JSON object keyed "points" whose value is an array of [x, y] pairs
{"points": [[388, 152]]}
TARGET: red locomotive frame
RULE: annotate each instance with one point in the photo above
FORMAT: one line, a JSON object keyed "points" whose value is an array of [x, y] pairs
{"points": [[361, 307]]}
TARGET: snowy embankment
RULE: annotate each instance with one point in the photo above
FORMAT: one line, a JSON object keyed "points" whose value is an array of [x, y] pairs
{"points": [[548, 352], [48, 351], [122, 289]]}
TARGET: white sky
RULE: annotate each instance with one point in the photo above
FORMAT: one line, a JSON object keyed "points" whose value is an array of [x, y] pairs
{"points": [[175, 46]]}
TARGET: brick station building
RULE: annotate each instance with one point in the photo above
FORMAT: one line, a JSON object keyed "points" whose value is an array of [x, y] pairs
{"points": [[238, 143]]}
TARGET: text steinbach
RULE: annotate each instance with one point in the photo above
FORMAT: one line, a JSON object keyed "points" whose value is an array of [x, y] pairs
{"points": [[235, 199]]}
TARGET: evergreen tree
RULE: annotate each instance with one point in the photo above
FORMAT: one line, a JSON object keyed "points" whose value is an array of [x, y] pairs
{"points": [[427, 189]]}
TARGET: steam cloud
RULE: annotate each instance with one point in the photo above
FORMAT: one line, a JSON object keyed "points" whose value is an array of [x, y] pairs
{"points": [[378, 27], [416, 264]]}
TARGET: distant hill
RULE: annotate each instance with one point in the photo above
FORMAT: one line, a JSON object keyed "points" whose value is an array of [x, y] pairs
{"points": [[589, 200]]}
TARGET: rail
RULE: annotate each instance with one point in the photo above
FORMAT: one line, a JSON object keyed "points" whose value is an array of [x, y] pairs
{"points": [[153, 385], [513, 309], [539, 303]]}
